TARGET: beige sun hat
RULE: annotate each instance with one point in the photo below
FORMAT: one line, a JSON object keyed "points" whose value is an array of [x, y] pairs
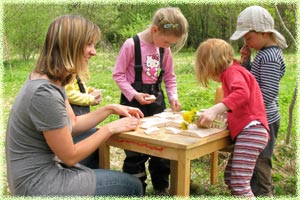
{"points": [[256, 18]]}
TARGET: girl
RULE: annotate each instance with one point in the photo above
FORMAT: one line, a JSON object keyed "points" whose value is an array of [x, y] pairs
{"points": [[243, 102], [41, 157], [81, 98], [140, 80]]}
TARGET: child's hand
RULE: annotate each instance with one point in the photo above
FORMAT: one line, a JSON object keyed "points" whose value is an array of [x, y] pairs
{"points": [[175, 105], [98, 96], [206, 118], [245, 53], [144, 98]]}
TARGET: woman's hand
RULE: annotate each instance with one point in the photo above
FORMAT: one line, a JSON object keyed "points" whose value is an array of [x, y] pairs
{"points": [[122, 125], [126, 111], [61, 143]]}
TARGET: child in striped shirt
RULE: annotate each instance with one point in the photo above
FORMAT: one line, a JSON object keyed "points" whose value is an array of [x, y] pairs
{"points": [[256, 26]]}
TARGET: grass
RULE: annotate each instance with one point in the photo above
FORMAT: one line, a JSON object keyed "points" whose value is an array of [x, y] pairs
{"points": [[191, 96]]}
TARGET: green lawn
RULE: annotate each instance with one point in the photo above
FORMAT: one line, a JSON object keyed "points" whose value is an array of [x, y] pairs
{"points": [[191, 96]]}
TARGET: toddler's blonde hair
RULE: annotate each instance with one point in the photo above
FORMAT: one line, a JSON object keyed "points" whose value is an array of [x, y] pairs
{"points": [[213, 56], [171, 21]]}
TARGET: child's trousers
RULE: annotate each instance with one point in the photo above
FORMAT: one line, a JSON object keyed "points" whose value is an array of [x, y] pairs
{"points": [[239, 170], [134, 163], [261, 182], [159, 169]]}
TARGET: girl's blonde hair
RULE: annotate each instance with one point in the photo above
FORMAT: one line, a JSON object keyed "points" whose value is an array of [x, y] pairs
{"points": [[213, 56], [62, 55], [171, 21]]}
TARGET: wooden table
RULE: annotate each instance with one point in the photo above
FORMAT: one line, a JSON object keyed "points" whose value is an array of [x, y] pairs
{"points": [[179, 149]]}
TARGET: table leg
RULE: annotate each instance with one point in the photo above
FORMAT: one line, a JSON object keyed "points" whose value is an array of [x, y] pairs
{"points": [[104, 156], [174, 172], [214, 168], [180, 177]]}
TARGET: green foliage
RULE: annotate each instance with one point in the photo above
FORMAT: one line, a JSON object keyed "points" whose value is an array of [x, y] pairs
{"points": [[277, 177], [128, 30], [15, 77], [287, 86], [26, 23], [25, 28]]}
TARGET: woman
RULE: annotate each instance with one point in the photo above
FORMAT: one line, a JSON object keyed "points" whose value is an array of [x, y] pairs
{"points": [[40, 154]]}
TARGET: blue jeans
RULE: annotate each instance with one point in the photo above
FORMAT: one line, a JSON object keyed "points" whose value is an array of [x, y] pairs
{"points": [[108, 182], [114, 183]]}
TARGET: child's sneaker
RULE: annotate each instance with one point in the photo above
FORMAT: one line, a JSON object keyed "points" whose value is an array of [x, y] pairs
{"points": [[194, 188], [163, 192]]}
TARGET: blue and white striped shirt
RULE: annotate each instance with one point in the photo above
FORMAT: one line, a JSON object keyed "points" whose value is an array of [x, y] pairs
{"points": [[268, 67]]}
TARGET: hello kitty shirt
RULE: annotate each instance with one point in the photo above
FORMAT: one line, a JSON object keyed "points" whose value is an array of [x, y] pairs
{"points": [[124, 74]]}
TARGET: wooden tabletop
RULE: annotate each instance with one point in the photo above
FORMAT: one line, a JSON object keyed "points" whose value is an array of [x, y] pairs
{"points": [[172, 140]]}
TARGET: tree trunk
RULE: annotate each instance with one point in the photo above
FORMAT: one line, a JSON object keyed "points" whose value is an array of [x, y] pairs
{"points": [[292, 104], [291, 109]]}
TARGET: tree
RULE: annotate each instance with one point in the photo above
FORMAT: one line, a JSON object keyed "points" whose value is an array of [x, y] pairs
{"points": [[295, 94], [25, 27]]}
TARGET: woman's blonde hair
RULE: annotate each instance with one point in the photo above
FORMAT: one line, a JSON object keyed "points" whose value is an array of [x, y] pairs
{"points": [[62, 55], [213, 56], [171, 21]]}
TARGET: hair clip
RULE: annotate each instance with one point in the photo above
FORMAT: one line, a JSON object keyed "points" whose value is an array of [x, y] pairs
{"points": [[161, 19], [170, 25]]}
